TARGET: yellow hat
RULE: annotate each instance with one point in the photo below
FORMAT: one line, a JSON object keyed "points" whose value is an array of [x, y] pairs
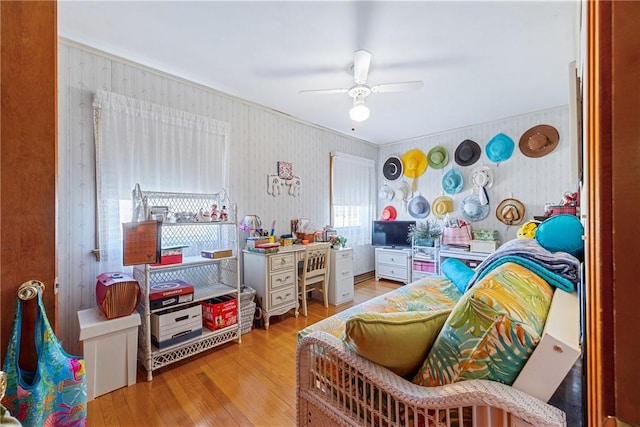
{"points": [[441, 206], [414, 163], [528, 230]]}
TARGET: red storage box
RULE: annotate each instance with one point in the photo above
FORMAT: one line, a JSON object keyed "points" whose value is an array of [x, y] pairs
{"points": [[218, 313], [171, 255], [117, 294]]}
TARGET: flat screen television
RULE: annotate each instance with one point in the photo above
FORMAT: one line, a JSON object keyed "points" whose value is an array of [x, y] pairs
{"points": [[391, 234]]}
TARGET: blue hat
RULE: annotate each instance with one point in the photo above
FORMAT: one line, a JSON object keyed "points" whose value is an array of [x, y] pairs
{"points": [[473, 210], [500, 148], [419, 207], [452, 181]]}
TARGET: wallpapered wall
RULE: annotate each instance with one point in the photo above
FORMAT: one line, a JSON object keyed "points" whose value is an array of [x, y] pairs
{"points": [[533, 181], [259, 139]]}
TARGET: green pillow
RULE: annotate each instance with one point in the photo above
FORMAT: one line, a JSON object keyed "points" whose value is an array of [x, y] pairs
{"points": [[398, 341]]}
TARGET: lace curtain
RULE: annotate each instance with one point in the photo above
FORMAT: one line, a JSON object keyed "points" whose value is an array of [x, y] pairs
{"points": [[160, 148], [353, 197]]}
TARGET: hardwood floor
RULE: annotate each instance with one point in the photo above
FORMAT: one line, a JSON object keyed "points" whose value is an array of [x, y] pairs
{"points": [[247, 384]]}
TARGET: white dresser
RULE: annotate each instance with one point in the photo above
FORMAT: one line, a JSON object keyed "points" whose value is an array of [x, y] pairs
{"points": [[275, 279], [341, 276], [393, 264]]}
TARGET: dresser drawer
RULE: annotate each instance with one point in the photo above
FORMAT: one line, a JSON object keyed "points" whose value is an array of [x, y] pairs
{"points": [[392, 271], [282, 297], [392, 258], [343, 291], [342, 267], [281, 262], [285, 278]]}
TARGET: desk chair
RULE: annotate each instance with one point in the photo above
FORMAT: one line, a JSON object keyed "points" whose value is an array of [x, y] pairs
{"points": [[314, 273]]}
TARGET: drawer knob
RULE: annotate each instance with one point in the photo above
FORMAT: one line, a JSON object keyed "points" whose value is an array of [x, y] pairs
{"points": [[282, 261]]}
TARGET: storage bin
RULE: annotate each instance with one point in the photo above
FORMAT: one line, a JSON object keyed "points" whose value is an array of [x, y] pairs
{"points": [[484, 246], [247, 312], [218, 313], [109, 347]]}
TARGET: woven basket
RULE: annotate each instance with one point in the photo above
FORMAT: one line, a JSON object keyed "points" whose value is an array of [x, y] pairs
{"points": [[247, 294], [247, 311]]}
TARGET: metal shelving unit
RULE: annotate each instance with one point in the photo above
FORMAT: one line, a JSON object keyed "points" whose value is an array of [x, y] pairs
{"points": [[210, 277]]}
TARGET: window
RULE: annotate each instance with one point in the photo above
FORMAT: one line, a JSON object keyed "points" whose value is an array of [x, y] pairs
{"points": [[352, 198]]}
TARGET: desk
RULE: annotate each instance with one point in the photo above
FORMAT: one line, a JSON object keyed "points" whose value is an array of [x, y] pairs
{"points": [[275, 279]]}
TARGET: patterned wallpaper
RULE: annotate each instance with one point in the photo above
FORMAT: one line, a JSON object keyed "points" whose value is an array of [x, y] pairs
{"points": [[259, 139], [533, 181]]}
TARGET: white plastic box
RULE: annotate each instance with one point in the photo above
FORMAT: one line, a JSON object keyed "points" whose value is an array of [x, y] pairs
{"points": [[109, 348]]}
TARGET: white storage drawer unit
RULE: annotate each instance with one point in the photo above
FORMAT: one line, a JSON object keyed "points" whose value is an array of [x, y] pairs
{"points": [[393, 264], [340, 276]]}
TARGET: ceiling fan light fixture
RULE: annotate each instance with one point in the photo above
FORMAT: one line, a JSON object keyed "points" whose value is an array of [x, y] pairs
{"points": [[359, 112]]}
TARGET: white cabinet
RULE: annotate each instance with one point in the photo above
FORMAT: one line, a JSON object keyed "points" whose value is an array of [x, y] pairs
{"points": [[340, 276], [210, 278], [393, 264], [425, 261], [275, 279], [472, 259]]}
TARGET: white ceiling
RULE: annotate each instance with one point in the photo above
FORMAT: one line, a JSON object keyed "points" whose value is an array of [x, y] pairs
{"points": [[479, 60]]}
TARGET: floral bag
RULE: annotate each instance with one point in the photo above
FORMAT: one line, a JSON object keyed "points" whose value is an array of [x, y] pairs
{"points": [[56, 393]]}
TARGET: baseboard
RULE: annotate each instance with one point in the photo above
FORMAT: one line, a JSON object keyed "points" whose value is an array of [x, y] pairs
{"points": [[359, 278]]}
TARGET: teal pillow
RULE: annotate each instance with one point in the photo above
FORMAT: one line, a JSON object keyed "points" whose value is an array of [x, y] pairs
{"points": [[458, 272], [562, 233]]}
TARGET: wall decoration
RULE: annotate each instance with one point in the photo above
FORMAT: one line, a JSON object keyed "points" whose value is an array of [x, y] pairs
{"points": [[276, 182]]}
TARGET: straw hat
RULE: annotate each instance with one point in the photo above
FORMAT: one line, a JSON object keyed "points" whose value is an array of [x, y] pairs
{"points": [[419, 207], [438, 157], [473, 210], [500, 148], [539, 141], [386, 192], [452, 181], [389, 213], [467, 153], [414, 163], [392, 168], [510, 211], [441, 206], [403, 192]]}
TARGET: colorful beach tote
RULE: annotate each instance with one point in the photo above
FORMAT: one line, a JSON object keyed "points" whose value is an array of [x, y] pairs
{"points": [[56, 393]]}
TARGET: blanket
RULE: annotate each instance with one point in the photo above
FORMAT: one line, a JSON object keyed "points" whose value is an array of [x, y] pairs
{"points": [[559, 269]]}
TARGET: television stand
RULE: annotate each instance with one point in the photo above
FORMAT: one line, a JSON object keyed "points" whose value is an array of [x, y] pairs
{"points": [[393, 264]]}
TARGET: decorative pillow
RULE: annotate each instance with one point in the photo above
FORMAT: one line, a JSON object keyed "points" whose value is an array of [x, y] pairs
{"points": [[562, 233], [398, 341], [491, 331], [458, 272]]}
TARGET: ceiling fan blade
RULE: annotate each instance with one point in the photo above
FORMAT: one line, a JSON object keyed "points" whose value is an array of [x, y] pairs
{"points": [[361, 62], [325, 91], [397, 87]]}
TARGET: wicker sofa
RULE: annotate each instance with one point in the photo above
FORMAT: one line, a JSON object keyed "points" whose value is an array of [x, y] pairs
{"points": [[337, 386]]}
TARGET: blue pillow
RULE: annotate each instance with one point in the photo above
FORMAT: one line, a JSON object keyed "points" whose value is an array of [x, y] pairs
{"points": [[562, 233], [458, 272]]}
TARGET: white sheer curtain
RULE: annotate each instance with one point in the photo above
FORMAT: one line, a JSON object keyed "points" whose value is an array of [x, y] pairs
{"points": [[160, 148], [353, 198]]}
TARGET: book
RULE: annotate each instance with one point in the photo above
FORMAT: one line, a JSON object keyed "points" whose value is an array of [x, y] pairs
{"points": [[216, 253]]}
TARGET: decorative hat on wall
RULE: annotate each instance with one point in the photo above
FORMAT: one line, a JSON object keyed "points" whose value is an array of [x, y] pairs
{"points": [[392, 168], [500, 148], [539, 141], [482, 180], [452, 181], [438, 157], [441, 206], [510, 211], [389, 213], [467, 153], [473, 210], [419, 207], [386, 192], [403, 192], [414, 163]]}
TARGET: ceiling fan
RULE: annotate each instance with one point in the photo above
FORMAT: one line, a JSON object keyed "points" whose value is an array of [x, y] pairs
{"points": [[361, 62]]}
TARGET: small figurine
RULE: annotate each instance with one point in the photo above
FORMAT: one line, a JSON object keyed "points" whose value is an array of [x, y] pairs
{"points": [[214, 212], [223, 214]]}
